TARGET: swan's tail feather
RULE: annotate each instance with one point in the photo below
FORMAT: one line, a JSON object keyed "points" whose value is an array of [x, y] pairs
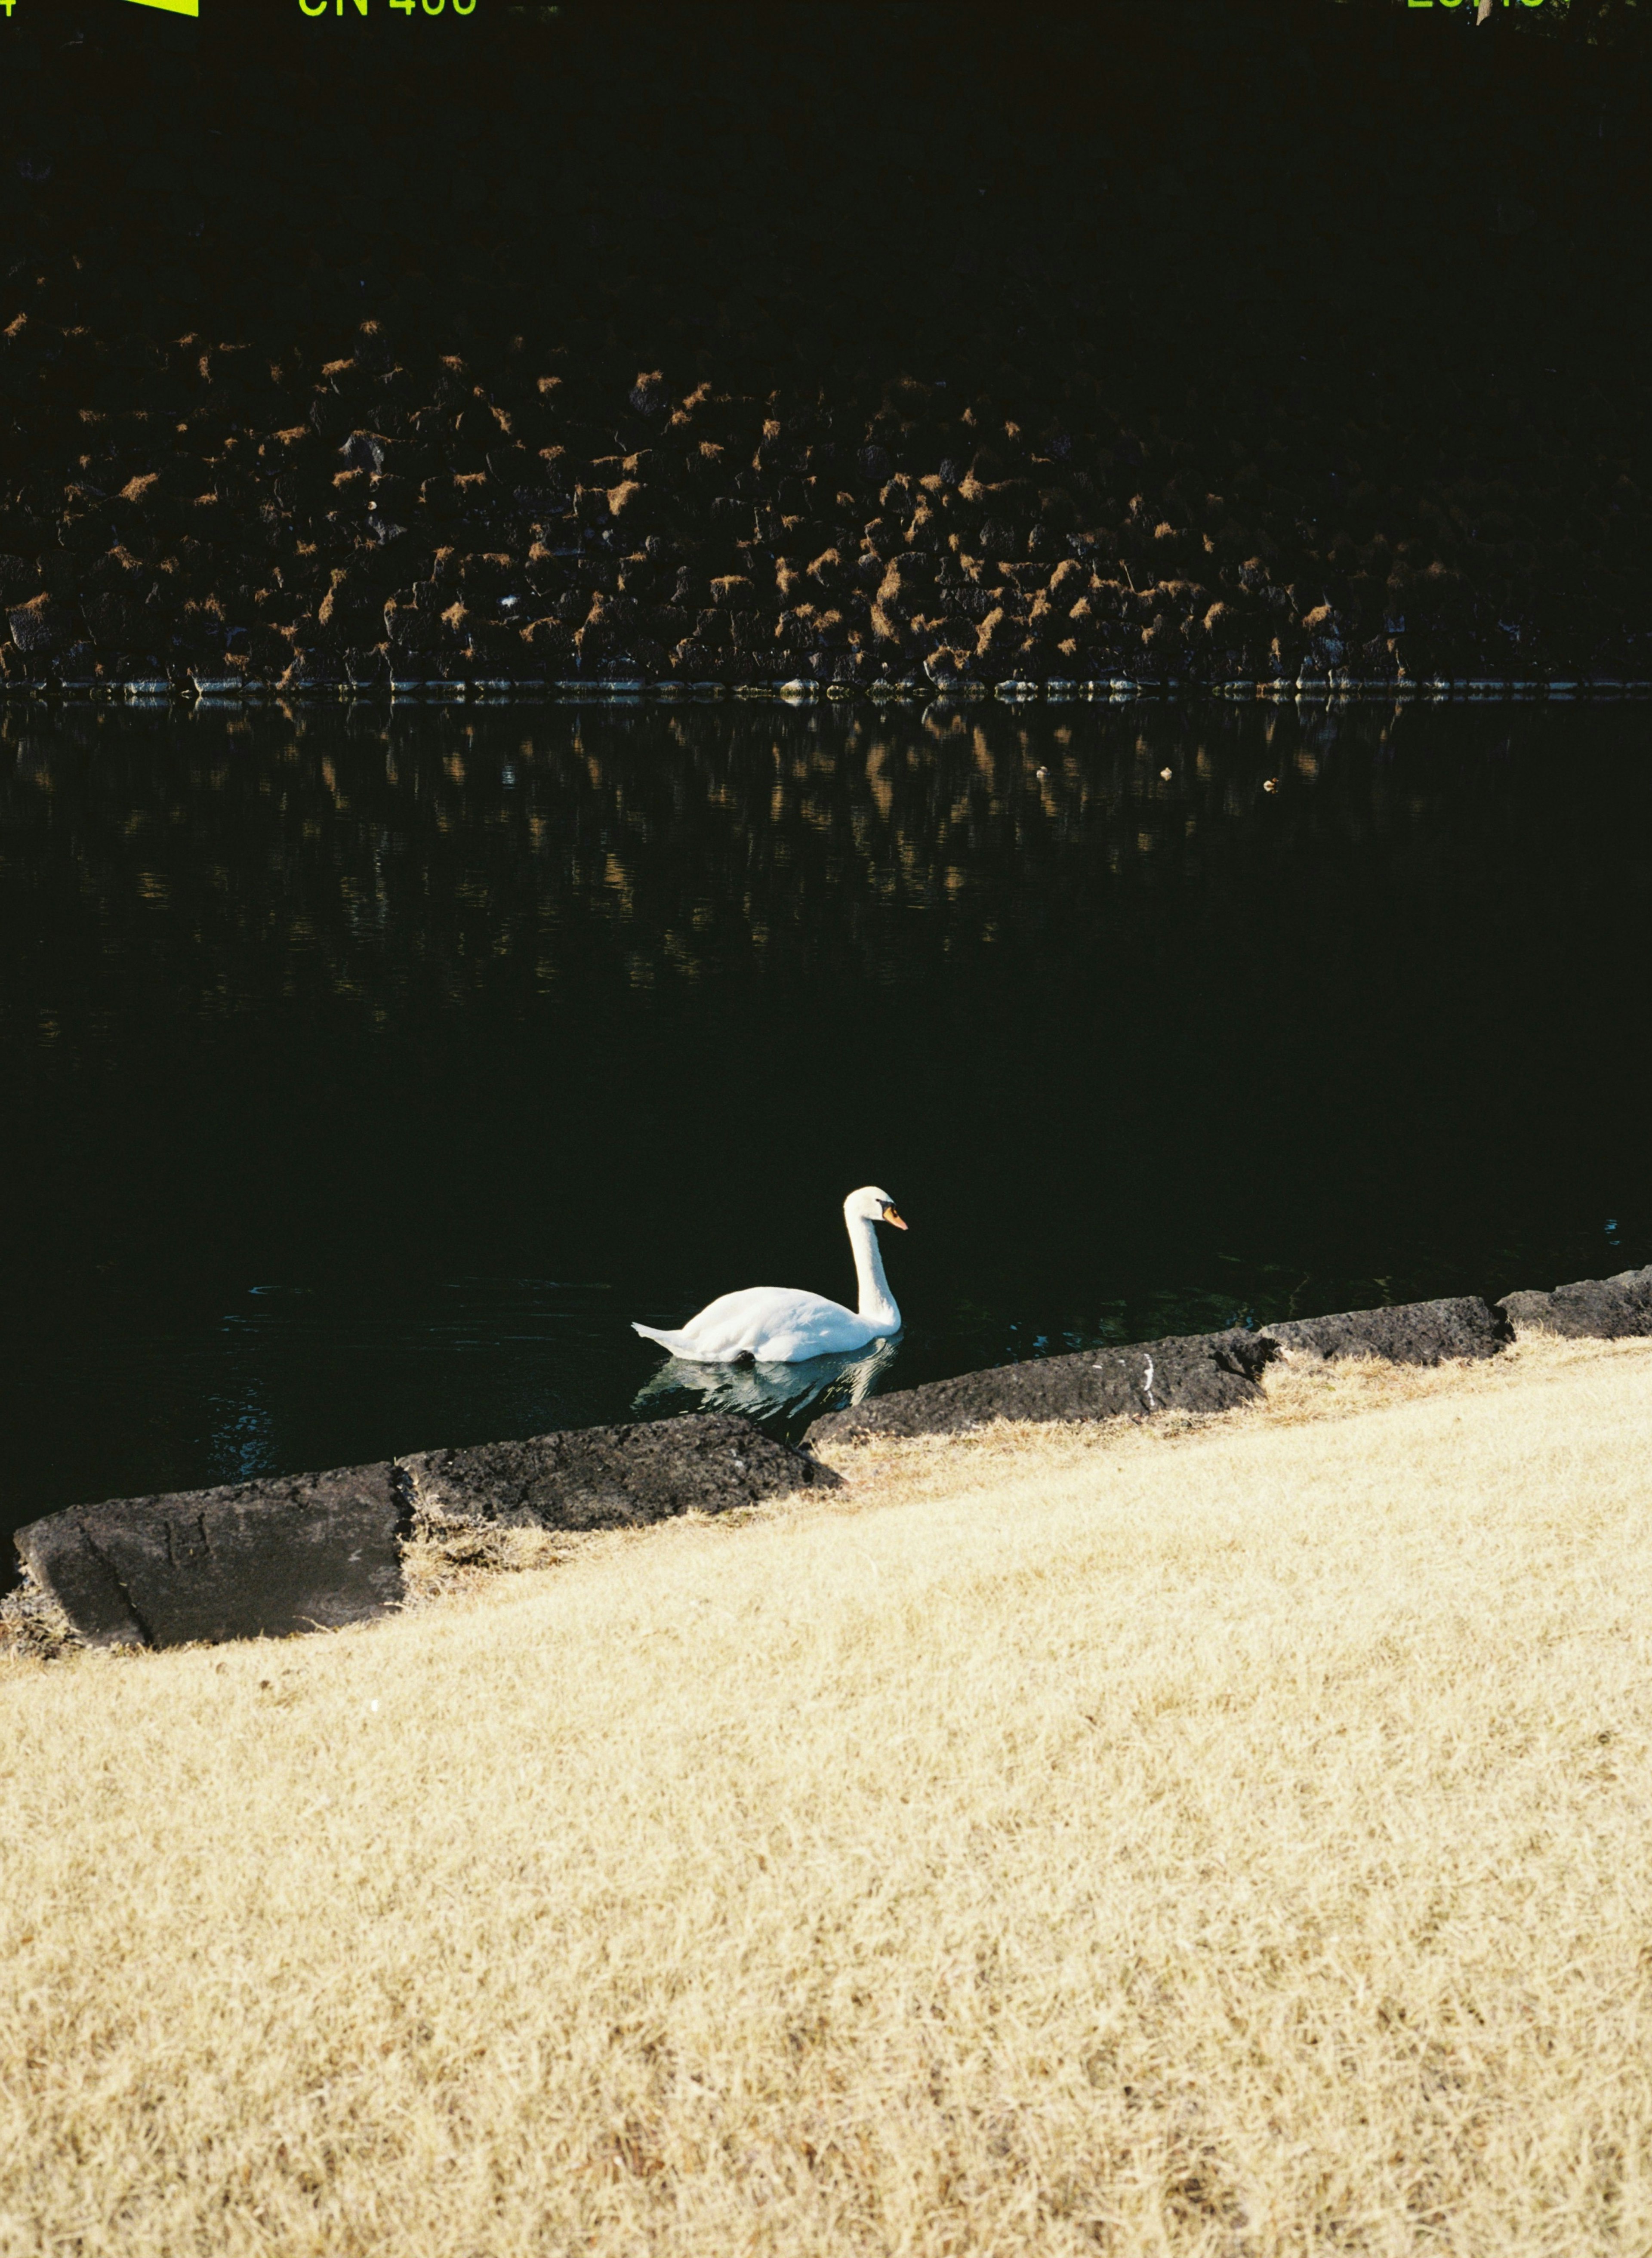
{"points": [[693, 1351], [679, 1344]]}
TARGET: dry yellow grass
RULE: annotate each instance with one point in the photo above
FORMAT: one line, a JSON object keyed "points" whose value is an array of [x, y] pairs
{"points": [[1229, 1842]]}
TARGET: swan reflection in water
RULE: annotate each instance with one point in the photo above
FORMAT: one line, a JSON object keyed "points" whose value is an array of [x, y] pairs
{"points": [[819, 1384]]}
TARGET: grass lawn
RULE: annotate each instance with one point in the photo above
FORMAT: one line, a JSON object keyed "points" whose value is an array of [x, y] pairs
{"points": [[1225, 1838]]}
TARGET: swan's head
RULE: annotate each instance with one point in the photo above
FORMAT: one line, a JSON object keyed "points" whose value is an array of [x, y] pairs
{"points": [[870, 1205]]}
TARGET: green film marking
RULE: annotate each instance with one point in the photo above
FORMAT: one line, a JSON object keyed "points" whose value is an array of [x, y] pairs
{"points": [[173, 7]]}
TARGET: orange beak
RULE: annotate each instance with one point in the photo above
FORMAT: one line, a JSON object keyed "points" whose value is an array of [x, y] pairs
{"points": [[890, 1215]]}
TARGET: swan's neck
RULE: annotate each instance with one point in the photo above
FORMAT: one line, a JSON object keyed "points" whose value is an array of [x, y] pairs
{"points": [[878, 1303]]}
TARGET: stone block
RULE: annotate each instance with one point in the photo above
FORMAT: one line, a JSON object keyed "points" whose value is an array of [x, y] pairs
{"points": [[1200, 1371], [1619, 1307], [257, 1559], [611, 1477], [1413, 1332]]}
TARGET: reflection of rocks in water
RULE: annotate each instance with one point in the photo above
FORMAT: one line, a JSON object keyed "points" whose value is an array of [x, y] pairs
{"points": [[383, 862], [769, 1391]]}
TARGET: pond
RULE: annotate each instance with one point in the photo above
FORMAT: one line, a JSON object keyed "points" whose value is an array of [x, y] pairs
{"points": [[368, 1070]]}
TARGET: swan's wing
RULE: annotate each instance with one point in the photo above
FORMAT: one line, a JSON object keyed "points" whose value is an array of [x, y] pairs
{"points": [[776, 1325], [725, 1329], [802, 1325]]}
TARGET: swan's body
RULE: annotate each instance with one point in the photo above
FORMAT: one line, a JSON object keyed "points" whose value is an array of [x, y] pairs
{"points": [[782, 1324]]}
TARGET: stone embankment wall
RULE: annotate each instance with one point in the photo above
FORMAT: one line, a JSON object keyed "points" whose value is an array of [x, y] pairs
{"points": [[309, 1551], [264, 1560]]}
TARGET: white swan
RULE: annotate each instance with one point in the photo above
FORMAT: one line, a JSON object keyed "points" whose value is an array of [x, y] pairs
{"points": [[780, 1325]]}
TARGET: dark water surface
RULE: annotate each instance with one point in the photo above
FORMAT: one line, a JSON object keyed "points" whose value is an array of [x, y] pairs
{"points": [[365, 1071]]}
